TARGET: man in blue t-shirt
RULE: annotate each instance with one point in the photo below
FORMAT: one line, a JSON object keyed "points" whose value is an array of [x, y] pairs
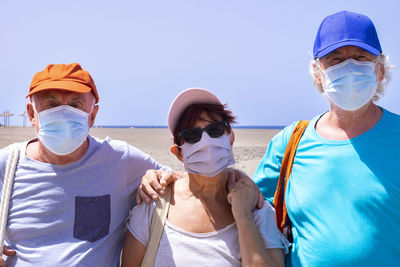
{"points": [[72, 192], [343, 196]]}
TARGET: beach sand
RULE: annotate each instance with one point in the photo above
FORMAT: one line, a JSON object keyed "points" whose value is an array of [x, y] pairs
{"points": [[248, 149]]}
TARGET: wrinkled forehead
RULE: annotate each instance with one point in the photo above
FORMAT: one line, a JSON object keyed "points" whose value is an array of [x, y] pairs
{"points": [[349, 51], [60, 96]]}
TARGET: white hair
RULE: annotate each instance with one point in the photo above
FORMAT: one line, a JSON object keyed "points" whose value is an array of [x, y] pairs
{"points": [[380, 90]]}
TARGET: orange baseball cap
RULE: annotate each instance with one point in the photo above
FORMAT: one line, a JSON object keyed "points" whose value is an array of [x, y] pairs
{"points": [[69, 77]]}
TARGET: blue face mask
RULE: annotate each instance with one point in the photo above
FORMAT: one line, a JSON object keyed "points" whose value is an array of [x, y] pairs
{"points": [[350, 84], [63, 129]]}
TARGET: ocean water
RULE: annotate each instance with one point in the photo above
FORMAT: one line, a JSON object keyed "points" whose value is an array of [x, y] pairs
{"points": [[163, 126]]}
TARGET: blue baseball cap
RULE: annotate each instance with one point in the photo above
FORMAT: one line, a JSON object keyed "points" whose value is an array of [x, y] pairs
{"points": [[343, 29]]}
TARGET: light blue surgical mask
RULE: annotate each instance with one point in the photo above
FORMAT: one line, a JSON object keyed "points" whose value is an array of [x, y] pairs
{"points": [[63, 129], [350, 84]]}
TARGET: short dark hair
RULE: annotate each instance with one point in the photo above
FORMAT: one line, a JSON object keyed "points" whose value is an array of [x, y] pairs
{"points": [[193, 112]]}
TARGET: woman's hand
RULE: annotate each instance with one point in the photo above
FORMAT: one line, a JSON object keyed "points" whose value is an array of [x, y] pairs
{"points": [[235, 175], [243, 198]]}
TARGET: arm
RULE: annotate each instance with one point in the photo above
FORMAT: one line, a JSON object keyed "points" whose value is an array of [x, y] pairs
{"points": [[243, 198], [267, 173], [132, 252]]}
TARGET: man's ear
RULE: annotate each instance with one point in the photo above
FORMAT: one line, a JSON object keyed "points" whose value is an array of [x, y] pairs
{"points": [[31, 114], [317, 74], [177, 152], [92, 116]]}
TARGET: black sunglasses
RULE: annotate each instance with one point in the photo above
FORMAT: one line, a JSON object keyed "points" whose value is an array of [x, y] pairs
{"points": [[214, 130]]}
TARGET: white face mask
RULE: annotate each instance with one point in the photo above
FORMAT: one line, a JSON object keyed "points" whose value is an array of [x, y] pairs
{"points": [[63, 129], [350, 84], [209, 156]]}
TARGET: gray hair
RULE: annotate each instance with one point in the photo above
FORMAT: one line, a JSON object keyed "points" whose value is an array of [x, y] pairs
{"points": [[380, 90]]}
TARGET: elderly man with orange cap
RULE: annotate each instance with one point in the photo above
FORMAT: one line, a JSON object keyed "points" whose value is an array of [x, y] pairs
{"points": [[71, 192]]}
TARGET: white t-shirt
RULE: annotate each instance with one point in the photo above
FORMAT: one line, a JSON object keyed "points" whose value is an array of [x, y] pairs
{"points": [[220, 248], [73, 214]]}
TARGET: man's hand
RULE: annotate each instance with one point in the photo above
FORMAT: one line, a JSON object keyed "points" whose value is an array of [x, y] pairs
{"points": [[235, 175], [8, 252], [154, 182]]}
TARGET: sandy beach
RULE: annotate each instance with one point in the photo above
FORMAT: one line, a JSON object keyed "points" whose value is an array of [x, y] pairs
{"points": [[249, 146]]}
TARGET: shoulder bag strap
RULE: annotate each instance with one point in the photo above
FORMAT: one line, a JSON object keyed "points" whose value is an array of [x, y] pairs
{"points": [[6, 191], [157, 228], [286, 169]]}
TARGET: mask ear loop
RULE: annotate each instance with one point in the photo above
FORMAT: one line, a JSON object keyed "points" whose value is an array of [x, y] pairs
{"points": [[321, 73], [377, 59], [92, 109], [380, 66], [34, 108]]}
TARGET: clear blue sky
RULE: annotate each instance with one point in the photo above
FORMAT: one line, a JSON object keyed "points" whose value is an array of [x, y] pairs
{"points": [[253, 54]]}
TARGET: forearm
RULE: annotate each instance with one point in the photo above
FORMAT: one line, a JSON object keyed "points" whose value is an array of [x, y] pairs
{"points": [[252, 247], [132, 252]]}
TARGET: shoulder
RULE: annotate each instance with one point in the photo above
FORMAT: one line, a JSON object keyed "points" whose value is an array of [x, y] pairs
{"points": [[117, 147], [278, 144], [391, 117], [283, 136], [4, 153]]}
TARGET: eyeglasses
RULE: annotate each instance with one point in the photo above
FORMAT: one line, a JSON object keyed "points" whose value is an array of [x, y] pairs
{"points": [[214, 130]]}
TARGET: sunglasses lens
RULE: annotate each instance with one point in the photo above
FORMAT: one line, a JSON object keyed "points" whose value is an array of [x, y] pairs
{"points": [[192, 135], [216, 129]]}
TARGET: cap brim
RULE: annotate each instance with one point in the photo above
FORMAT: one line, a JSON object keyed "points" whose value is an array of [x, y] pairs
{"points": [[185, 99], [61, 85], [335, 46]]}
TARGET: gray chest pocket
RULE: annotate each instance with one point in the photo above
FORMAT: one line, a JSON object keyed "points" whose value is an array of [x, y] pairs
{"points": [[92, 217]]}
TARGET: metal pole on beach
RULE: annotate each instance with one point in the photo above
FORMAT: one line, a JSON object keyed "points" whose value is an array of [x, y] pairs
{"points": [[24, 115], [4, 117], [6, 114], [9, 115]]}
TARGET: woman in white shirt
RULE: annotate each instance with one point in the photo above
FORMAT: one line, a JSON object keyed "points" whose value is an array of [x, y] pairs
{"points": [[206, 224]]}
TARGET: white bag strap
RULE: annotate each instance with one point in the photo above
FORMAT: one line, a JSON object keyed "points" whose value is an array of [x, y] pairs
{"points": [[6, 192], [157, 228]]}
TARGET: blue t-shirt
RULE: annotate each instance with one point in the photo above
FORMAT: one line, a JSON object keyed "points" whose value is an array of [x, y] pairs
{"points": [[343, 197], [74, 214]]}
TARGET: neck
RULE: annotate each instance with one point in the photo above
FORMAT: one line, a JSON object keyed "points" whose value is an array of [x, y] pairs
{"points": [[209, 187], [346, 124], [37, 151]]}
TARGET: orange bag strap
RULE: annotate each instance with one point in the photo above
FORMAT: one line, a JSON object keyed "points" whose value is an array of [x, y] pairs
{"points": [[286, 170]]}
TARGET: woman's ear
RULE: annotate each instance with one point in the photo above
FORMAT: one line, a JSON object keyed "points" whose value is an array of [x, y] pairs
{"points": [[177, 152], [232, 137]]}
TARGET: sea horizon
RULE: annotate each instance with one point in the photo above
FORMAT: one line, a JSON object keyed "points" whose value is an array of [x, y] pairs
{"points": [[269, 127]]}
